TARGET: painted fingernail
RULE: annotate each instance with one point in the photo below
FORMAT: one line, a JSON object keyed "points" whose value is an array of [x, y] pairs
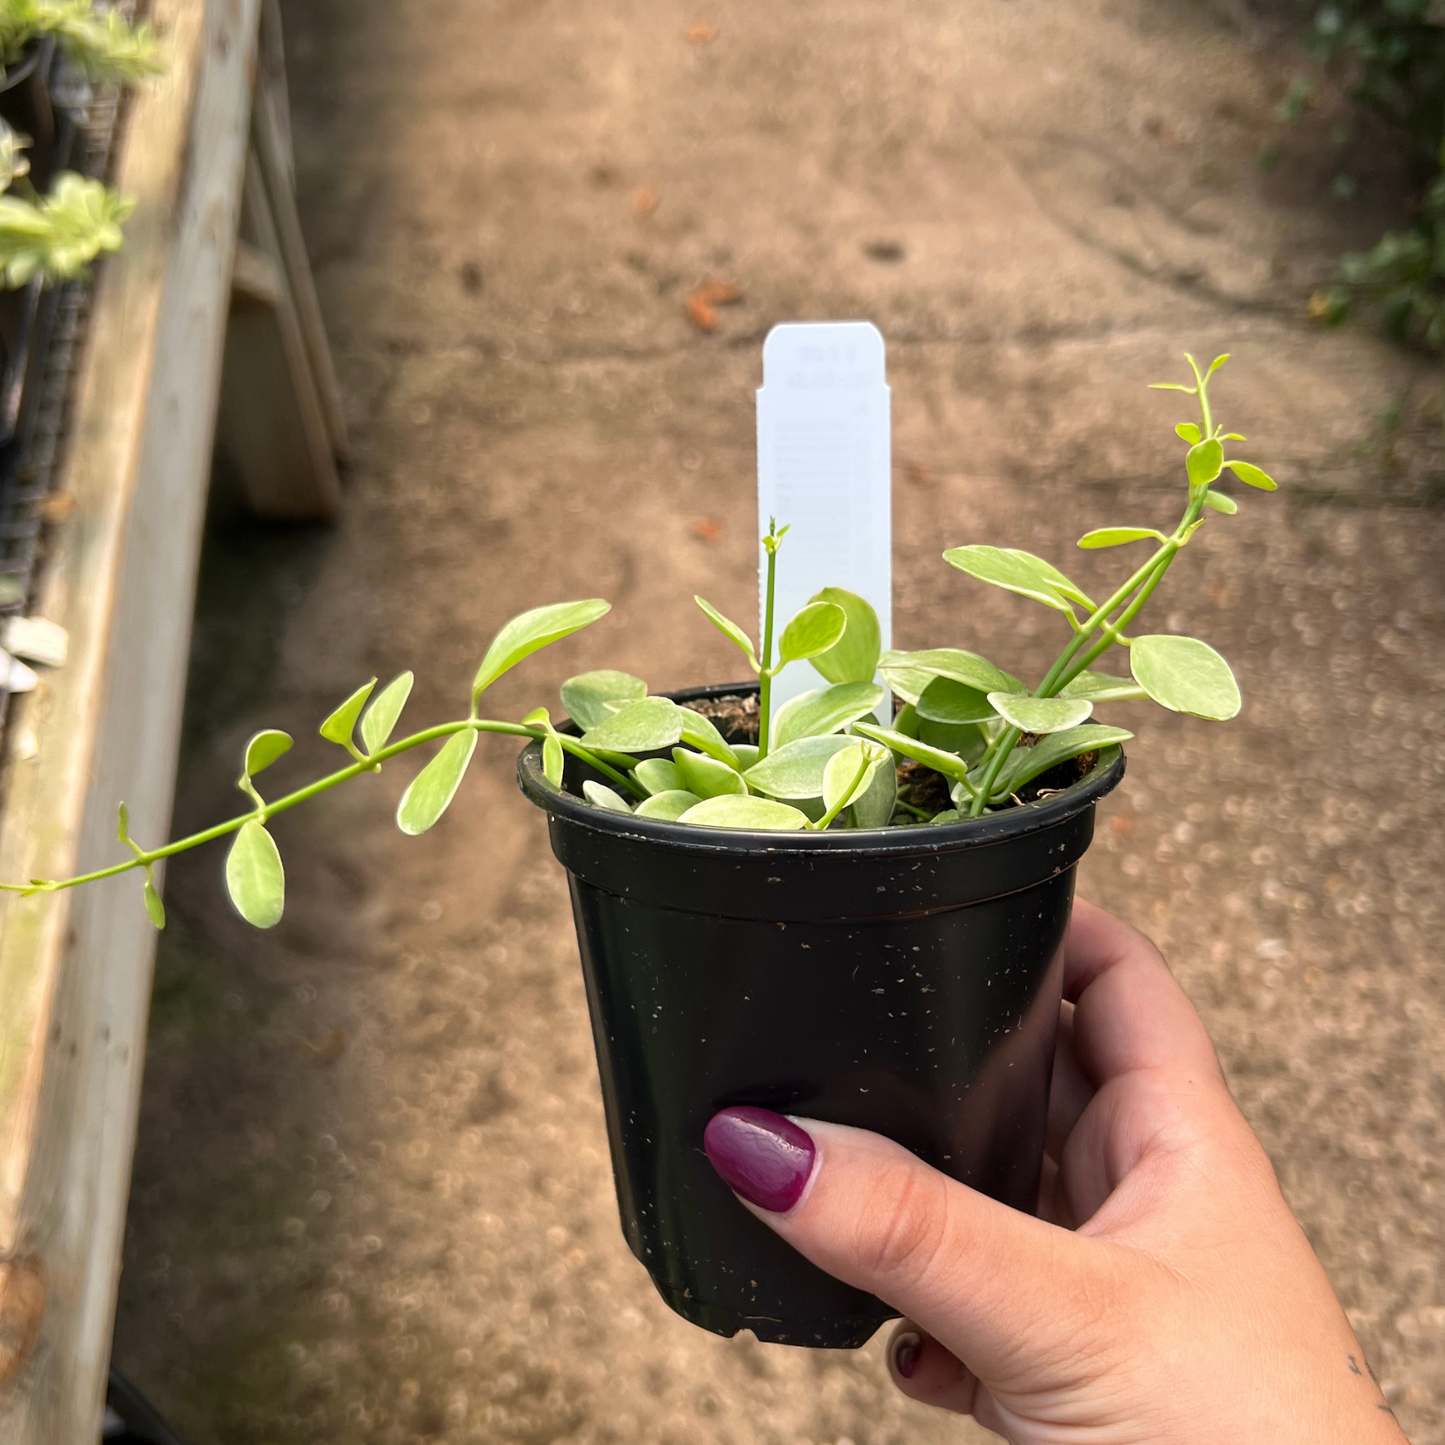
{"points": [[760, 1155], [906, 1350]]}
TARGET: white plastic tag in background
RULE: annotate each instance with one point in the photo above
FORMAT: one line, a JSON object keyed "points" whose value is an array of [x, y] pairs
{"points": [[825, 472]]}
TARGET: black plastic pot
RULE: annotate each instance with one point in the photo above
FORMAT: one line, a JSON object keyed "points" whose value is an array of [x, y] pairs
{"points": [[26, 107], [903, 980]]}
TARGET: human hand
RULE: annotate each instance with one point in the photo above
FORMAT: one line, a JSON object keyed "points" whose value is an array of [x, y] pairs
{"points": [[1165, 1295]]}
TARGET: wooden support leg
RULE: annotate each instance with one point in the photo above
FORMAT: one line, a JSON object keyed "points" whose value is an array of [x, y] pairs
{"points": [[272, 424], [281, 421]]}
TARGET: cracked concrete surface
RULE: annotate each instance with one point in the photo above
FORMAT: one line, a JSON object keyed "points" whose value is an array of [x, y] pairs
{"points": [[371, 1198]]}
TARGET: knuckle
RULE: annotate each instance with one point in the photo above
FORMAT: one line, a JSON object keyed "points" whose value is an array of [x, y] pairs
{"points": [[902, 1231]]}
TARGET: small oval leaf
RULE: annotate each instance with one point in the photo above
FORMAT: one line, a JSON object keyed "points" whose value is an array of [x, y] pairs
{"points": [[382, 716], [603, 797], [812, 630], [432, 790], [264, 749], [553, 763], [1252, 476], [1041, 714], [1188, 431], [946, 763], [1117, 536], [699, 732], [1220, 502], [946, 700], [1103, 687], [705, 776], [666, 807], [854, 657], [795, 770], [747, 813], [339, 727], [849, 773], [525, 634], [587, 696], [873, 808], [1026, 764], [730, 630], [1204, 461], [1185, 675], [965, 667], [826, 711], [658, 775], [640, 727], [255, 878], [968, 740], [1017, 571], [154, 907]]}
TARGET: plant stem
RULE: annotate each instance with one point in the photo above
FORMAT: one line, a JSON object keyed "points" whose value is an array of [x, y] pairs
{"points": [[765, 672], [1131, 596], [144, 858], [846, 797]]}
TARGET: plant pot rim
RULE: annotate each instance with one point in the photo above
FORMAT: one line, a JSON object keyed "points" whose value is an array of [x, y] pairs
{"points": [[924, 839], [25, 67]]}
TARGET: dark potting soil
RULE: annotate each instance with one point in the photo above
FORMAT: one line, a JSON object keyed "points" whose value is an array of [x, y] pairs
{"points": [[736, 718]]}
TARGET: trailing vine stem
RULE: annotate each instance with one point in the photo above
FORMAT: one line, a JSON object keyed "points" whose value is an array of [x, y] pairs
{"points": [[147, 858], [1131, 597], [822, 761]]}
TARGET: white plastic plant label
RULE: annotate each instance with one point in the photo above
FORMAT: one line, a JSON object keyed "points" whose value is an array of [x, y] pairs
{"points": [[825, 471]]}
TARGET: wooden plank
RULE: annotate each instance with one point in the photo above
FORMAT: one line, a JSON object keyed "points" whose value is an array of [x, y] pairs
{"points": [[273, 153], [256, 279], [75, 968], [272, 426], [272, 94]]}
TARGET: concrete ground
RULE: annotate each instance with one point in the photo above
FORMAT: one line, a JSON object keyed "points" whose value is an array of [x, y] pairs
{"points": [[372, 1202]]}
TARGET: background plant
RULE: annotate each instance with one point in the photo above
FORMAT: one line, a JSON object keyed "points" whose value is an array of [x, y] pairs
{"points": [[824, 759], [1395, 53], [99, 42], [58, 235]]}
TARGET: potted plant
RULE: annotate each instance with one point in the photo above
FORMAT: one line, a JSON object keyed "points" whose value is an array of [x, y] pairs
{"points": [[51, 235], [807, 909], [99, 42], [44, 240]]}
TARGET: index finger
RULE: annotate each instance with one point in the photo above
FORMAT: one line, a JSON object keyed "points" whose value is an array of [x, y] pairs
{"points": [[1129, 1011]]}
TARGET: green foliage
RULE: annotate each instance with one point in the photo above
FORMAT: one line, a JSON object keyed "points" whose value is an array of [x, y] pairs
{"points": [[383, 715], [830, 763], [1393, 52], [431, 792], [59, 235], [340, 726], [98, 41], [14, 163], [524, 635], [255, 878], [594, 696], [854, 657]]}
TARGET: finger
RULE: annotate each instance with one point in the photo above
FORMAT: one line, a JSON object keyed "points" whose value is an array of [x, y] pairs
{"points": [[1129, 1012], [968, 1269], [925, 1371], [1071, 1088]]}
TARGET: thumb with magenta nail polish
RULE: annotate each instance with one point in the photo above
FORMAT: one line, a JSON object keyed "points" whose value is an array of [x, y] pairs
{"points": [[1164, 1294], [763, 1157]]}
